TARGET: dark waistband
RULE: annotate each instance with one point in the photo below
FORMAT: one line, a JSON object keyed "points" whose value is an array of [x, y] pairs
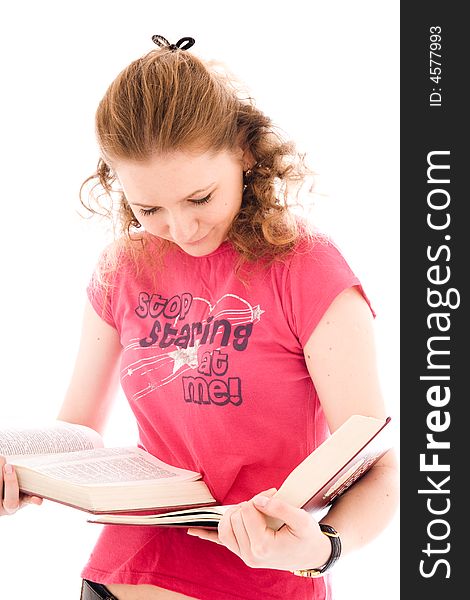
{"points": [[95, 591]]}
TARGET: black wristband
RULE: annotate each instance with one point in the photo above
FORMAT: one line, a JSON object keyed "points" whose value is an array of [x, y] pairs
{"points": [[335, 541]]}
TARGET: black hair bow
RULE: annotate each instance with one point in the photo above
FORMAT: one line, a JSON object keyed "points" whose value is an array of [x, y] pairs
{"points": [[182, 44]]}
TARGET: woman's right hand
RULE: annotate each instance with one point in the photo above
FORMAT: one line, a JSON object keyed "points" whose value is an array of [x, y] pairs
{"points": [[10, 497]]}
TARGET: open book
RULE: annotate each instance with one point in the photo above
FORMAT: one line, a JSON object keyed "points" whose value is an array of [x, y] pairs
{"points": [[68, 463], [313, 485]]}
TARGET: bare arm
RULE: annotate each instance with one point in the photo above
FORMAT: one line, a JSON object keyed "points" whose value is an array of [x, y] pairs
{"points": [[341, 359], [94, 379], [88, 398]]}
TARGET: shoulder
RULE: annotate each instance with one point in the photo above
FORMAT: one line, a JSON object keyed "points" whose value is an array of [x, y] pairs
{"points": [[316, 251], [127, 254], [314, 262]]}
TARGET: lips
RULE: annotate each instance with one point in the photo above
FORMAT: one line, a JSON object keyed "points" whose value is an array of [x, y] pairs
{"points": [[197, 241]]}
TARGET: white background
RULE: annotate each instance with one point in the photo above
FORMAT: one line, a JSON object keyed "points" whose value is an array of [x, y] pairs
{"points": [[326, 72]]}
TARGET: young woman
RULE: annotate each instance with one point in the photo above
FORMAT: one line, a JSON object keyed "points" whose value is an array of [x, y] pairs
{"points": [[239, 334]]}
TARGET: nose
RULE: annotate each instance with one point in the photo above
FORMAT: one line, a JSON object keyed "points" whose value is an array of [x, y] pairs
{"points": [[182, 228]]}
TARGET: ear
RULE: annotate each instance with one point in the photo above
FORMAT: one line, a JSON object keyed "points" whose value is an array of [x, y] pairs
{"points": [[247, 159], [246, 156]]}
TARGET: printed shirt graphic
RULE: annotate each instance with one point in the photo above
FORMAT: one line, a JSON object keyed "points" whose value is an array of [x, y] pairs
{"points": [[189, 333], [215, 374]]}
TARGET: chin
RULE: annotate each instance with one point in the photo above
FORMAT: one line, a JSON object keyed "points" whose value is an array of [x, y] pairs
{"points": [[201, 249], [206, 244]]}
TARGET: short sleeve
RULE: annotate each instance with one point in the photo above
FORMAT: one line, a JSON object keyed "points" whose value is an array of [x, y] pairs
{"points": [[318, 272], [101, 289]]}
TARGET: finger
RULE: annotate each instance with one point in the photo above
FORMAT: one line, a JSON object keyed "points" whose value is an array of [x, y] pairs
{"points": [[2, 462], [27, 499], [240, 533], [226, 534], [297, 520], [256, 527], [260, 537], [204, 534], [36, 500], [11, 494], [269, 493], [232, 531]]}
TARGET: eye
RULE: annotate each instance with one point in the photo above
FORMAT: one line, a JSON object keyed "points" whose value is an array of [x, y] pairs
{"points": [[202, 200], [148, 211]]}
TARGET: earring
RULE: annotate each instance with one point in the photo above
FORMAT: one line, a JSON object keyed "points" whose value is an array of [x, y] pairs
{"points": [[246, 174]]}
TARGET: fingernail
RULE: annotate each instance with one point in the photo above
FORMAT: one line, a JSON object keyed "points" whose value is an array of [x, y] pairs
{"points": [[261, 500], [8, 469], [191, 533]]}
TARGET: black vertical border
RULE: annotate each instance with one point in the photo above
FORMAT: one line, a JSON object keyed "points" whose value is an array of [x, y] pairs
{"points": [[429, 128]]}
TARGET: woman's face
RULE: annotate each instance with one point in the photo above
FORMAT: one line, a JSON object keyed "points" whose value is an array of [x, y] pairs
{"points": [[188, 199]]}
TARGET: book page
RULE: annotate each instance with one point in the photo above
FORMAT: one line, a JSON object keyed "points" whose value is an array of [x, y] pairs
{"points": [[106, 466], [187, 516], [50, 439]]}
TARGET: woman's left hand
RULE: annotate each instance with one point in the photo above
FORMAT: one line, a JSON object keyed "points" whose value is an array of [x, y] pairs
{"points": [[299, 544]]}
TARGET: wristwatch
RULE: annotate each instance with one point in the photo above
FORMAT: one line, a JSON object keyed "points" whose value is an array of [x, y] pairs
{"points": [[335, 540]]}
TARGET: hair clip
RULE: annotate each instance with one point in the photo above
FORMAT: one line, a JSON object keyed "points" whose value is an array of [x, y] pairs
{"points": [[182, 44]]}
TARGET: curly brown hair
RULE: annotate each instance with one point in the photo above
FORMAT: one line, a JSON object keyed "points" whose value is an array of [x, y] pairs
{"points": [[167, 101]]}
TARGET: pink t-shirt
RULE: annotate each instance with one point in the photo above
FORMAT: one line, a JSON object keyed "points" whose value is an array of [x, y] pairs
{"points": [[215, 374]]}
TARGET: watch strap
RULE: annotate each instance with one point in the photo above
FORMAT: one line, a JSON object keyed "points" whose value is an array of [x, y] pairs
{"points": [[335, 541]]}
